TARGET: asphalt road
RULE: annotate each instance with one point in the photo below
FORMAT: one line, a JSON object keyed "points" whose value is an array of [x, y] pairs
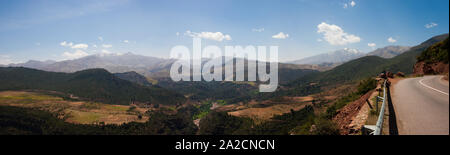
{"points": [[421, 106]]}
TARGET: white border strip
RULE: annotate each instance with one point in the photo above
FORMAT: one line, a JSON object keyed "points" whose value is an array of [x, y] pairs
{"points": [[432, 87]]}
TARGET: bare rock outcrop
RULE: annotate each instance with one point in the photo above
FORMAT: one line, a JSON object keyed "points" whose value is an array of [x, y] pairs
{"points": [[422, 68]]}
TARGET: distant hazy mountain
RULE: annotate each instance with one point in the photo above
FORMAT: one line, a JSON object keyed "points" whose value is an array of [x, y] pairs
{"points": [[115, 63], [33, 64], [389, 51], [338, 56]]}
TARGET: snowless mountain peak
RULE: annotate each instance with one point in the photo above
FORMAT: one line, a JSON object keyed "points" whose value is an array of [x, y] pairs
{"points": [[338, 56]]}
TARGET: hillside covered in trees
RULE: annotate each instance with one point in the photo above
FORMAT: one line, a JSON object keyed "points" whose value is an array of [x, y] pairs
{"points": [[433, 60], [436, 53], [94, 84], [26, 121]]}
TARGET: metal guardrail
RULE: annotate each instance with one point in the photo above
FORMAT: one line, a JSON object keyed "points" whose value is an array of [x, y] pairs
{"points": [[379, 125]]}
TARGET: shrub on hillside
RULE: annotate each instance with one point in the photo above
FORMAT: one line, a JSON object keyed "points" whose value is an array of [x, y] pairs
{"points": [[366, 85], [325, 127]]}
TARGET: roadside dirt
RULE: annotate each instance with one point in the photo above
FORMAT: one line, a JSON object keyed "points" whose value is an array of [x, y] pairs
{"points": [[352, 117]]}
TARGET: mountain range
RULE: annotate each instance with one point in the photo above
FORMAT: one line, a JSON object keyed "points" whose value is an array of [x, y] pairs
{"points": [[114, 63], [389, 51], [34, 64], [159, 67], [338, 56]]}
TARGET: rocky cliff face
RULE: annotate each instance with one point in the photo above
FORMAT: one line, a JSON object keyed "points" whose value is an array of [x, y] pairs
{"points": [[423, 68]]}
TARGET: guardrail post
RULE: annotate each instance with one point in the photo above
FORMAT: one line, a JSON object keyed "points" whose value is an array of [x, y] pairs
{"points": [[376, 103]]}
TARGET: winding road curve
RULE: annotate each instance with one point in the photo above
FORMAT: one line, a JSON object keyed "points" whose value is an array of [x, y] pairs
{"points": [[421, 106]]}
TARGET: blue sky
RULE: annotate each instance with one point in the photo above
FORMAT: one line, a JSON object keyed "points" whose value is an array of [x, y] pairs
{"points": [[37, 29]]}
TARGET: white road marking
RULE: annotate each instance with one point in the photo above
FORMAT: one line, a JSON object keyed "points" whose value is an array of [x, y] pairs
{"points": [[432, 87]]}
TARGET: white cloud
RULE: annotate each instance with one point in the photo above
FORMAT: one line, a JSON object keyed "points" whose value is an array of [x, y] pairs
{"points": [[371, 44], [352, 3], [105, 52], [334, 34], [100, 38], [217, 36], [178, 33], [94, 45], [126, 41], [74, 55], [258, 29], [391, 40], [280, 35], [106, 46], [71, 45], [66, 44], [80, 46], [431, 25], [38, 44], [319, 40]]}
